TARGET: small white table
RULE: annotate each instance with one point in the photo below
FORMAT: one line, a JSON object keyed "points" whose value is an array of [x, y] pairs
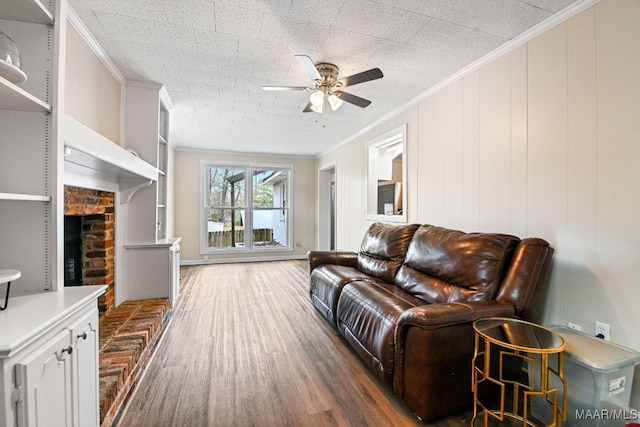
{"points": [[8, 276]]}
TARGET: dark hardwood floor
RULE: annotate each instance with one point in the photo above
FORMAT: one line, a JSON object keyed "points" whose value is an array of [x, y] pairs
{"points": [[246, 348]]}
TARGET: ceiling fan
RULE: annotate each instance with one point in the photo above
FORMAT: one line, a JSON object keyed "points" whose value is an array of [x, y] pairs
{"points": [[328, 86]]}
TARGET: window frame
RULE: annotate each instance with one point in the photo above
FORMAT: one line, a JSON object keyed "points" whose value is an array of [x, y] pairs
{"points": [[280, 212], [399, 133]]}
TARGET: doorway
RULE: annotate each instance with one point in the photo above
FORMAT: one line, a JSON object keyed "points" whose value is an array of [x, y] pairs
{"points": [[327, 220]]}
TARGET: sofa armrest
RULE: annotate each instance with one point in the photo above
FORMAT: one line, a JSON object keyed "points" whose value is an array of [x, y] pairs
{"points": [[432, 316], [434, 352], [345, 258]]}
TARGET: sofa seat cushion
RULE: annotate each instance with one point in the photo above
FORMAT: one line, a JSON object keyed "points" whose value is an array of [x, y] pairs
{"points": [[326, 283], [367, 315]]}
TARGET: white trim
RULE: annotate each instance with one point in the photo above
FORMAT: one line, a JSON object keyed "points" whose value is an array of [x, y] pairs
{"points": [[329, 165], [165, 98], [93, 44], [239, 260], [243, 154], [399, 134], [322, 189], [517, 41]]}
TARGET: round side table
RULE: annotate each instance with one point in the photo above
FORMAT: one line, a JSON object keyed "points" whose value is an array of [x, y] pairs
{"points": [[7, 276], [503, 393]]}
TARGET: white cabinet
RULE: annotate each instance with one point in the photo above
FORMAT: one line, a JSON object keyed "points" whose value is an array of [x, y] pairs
{"points": [[84, 368], [49, 359], [154, 269], [43, 384]]}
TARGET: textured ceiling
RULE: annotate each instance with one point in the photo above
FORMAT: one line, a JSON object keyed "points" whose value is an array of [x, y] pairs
{"points": [[213, 56]]}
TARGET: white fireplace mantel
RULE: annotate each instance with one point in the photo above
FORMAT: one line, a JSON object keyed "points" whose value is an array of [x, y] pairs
{"points": [[93, 161]]}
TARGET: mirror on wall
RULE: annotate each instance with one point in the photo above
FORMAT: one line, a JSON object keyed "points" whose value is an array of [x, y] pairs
{"points": [[387, 177]]}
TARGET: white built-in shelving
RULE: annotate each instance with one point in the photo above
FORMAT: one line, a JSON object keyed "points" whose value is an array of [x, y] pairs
{"points": [[151, 257], [48, 333], [29, 145]]}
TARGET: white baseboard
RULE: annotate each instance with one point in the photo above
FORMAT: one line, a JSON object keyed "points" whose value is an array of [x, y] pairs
{"points": [[238, 260]]}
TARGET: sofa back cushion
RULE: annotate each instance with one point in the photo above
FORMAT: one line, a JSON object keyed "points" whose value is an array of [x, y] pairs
{"points": [[443, 265], [383, 249]]}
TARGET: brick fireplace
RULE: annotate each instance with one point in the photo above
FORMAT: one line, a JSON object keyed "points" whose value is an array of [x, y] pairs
{"points": [[97, 224]]}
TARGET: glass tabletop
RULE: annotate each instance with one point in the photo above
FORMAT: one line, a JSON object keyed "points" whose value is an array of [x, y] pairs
{"points": [[519, 335]]}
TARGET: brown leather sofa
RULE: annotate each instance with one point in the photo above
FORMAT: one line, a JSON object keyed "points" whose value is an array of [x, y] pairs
{"points": [[407, 300]]}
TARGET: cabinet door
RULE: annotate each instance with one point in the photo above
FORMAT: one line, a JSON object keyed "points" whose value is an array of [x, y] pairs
{"points": [[45, 380], [85, 371]]}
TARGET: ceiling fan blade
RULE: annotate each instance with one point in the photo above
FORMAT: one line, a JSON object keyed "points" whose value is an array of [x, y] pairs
{"points": [[365, 76], [274, 88], [308, 109], [352, 99], [309, 67]]}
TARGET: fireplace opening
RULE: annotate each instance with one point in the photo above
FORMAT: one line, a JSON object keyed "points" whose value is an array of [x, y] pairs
{"points": [[72, 250], [89, 248]]}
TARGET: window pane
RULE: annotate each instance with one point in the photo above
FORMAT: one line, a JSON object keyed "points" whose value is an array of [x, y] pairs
{"points": [[225, 228], [226, 187], [270, 227], [269, 188]]}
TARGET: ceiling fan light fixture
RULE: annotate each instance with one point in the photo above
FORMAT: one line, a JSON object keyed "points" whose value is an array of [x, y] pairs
{"points": [[327, 84], [317, 108], [317, 98], [335, 102]]}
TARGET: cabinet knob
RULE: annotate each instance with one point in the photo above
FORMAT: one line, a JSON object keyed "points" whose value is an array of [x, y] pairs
{"points": [[82, 336], [68, 350]]}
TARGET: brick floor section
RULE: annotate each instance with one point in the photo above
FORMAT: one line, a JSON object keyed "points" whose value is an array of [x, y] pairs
{"points": [[128, 335]]}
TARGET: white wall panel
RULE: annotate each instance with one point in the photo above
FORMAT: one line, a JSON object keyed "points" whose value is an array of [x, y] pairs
{"points": [[495, 145], [413, 164], [519, 142], [618, 233], [426, 160], [92, 94], [438, 151], [547, 190], [581, 246], [471, 154], [350, 192], [452, 140]]}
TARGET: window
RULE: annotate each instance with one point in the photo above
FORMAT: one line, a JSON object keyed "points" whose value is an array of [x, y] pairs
{"points": [[245, 207], [386, 177]]}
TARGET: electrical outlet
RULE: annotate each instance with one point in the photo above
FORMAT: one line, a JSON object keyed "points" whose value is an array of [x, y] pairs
{"points": [[574, 326], [603, 330]]}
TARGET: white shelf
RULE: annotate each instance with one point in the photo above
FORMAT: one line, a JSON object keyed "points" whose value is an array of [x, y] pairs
{"points": [[26, 11], [24, 197], [13, 97], [89, 155]]}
